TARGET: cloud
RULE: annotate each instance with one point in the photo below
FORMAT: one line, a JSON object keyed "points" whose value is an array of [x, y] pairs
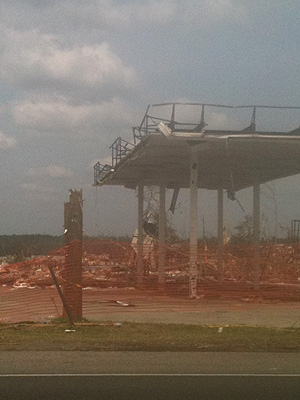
{"points": [[58, 115], [39, 192], [55, 171], [6, 142], [32, 60], [119, 16], [34, 187], [208, 12], [137, 14], [52, 171], [102, 15]]}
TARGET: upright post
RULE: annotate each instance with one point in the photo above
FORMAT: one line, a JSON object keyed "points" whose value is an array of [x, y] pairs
{"points": [[162, 236], [72, 273], [220, 234], [256, 235], [140, 240], [193, 267]]}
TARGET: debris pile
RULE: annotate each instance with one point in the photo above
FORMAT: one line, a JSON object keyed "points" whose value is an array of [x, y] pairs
{"points": [[113, 264]]}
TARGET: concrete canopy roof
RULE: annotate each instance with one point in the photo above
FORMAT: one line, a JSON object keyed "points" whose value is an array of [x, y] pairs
{"points": [[227, 159]]}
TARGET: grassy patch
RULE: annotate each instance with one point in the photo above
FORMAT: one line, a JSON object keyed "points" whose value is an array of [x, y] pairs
{"points": [[147, 337]]}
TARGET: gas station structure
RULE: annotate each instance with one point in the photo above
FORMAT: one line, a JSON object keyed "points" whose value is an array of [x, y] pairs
{"points": [[172, 154]]}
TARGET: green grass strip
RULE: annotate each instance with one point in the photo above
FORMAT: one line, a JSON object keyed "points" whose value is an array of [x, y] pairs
{"points": [[147, 337]]}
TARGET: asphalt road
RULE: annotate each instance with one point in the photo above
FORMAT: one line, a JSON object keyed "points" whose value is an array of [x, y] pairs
{"points": [[150, 387], [148, 375], [89, 362]]}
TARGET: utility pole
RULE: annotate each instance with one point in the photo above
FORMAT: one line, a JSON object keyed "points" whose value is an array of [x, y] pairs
{"points": [[72, 273]]}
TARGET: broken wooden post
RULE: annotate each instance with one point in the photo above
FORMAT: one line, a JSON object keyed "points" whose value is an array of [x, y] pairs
{"points": [[62, 297], [193, 264], [72, 273]]}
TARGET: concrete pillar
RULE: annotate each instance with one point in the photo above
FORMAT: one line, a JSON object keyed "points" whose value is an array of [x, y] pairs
{"points": [[140, 240], [256, 235], [162, 236], [220, 234], [193, 266]]}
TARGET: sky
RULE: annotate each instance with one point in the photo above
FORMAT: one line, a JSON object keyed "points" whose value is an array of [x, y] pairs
{"points": [[74, 75]]}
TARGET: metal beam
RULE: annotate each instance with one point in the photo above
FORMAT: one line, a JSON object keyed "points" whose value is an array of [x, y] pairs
{"points": [[140, 240], [256, 235], [193, 266], [162, 235], [220, 234], [174, 199]]}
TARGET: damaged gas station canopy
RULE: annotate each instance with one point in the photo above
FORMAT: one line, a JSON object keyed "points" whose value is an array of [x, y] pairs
{"points": [[227, 159], [172, 154]]}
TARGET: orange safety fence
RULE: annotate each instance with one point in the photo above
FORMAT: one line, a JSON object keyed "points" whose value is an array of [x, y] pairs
{"points": [[109, 278]]}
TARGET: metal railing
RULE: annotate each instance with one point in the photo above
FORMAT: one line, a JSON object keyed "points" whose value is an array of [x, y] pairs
{"points": [[150, 122], [100, 172], [120, 149]]}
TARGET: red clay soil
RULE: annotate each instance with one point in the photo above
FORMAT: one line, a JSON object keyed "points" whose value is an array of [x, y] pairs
{"points": [[112, 264]]}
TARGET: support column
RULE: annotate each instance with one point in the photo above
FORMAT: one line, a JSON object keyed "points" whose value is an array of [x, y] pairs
{"points": [[193, 267], [140, 239], [220, 234], [162, 236], [256, 235]]}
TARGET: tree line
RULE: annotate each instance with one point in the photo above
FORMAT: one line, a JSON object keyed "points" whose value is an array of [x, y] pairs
{"points": [[23, 246]]}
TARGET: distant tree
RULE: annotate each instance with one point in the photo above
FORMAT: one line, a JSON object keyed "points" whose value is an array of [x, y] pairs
{"points": [[21, 246], [244, 229]]}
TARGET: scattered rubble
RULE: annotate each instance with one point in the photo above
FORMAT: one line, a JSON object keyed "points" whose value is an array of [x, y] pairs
{"points": [[113, 264]]}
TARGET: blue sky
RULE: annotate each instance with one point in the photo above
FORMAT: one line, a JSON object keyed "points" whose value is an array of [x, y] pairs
{"points": [[74, 75]]}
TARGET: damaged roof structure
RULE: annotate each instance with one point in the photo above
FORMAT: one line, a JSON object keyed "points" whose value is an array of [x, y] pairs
{"points": [[176, 154]]}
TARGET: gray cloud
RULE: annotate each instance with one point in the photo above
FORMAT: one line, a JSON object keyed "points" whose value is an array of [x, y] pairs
{"points": [[103, 16], [6, 142], [57, 114], [52, 171], [37, 61]]}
